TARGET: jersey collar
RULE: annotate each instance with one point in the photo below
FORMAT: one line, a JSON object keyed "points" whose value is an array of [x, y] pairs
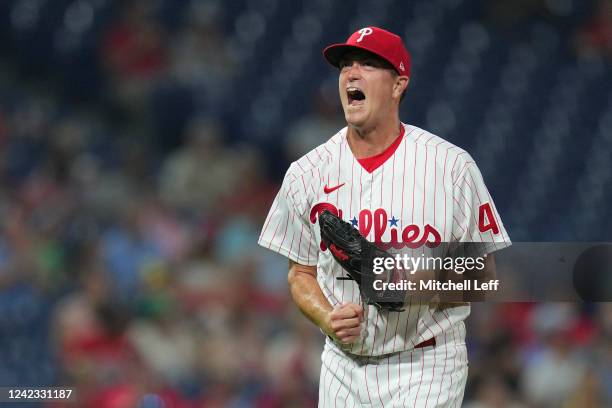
{"points": [[373, 162]]}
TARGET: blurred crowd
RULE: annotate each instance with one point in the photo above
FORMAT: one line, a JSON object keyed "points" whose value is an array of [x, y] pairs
{"points": [[153, 283], [129, 268]]}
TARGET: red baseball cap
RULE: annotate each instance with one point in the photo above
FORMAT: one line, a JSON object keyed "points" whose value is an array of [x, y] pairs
{"points": [[383, 43]]}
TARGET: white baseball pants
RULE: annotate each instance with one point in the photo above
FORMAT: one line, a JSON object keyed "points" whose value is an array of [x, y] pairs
{"points": [[432, 376]]}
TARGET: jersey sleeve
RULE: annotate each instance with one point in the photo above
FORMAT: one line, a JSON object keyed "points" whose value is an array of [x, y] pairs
{"points": [[287, 228], [475, 218]]}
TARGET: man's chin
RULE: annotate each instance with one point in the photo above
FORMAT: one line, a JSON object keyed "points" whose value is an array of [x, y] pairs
{"points": [[354, 119]]}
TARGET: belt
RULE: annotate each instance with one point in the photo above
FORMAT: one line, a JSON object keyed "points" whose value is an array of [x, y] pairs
{"points": [[426, 343]]}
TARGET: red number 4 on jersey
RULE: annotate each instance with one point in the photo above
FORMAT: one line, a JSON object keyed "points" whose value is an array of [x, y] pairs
{"points": [[486, 220]]}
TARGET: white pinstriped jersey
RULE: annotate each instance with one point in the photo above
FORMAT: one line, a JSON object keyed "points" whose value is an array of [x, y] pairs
{"points": [[428, 190]]}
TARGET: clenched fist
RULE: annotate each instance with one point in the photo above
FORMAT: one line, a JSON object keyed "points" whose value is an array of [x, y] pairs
{"points": [[345, 322]]}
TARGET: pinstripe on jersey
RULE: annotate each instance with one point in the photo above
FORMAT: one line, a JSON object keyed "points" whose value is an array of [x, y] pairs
{"points": [[428, 190]]}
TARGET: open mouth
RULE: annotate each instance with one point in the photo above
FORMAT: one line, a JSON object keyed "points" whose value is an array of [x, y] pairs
{"points": [[355, 95]]}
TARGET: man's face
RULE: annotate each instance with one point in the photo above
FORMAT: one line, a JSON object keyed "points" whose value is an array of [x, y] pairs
{"points": [[366, 86]]}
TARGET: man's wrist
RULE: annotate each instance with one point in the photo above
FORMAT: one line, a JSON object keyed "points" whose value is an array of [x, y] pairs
{"points": [[325, 324]]}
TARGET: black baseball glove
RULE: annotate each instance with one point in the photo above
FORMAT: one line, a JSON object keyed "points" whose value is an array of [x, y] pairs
{"points": [[356, 255]]}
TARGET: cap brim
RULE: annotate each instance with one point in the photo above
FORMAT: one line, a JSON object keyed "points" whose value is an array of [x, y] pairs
{"points": [[334, 53]]}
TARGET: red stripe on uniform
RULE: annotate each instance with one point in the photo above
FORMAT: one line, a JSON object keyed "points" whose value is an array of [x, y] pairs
{"points": [[270, 216], [453, 168], [338, 179], [425, 183], [454, 355], [309, 245], [371, 190], [346, 361], [309, 161], [365, 376], [443, 377], [350, 390], [467, 163], [300, 243], [416, 396], [285, 233], [435, 209], [433, 370], [274, 234], [343, 146], [389, 378], [416, 147], [378, 386], [334, 376], [392, 214], [298, 163], [360, 187], [304, 184], [326, 365], [445, 191]]}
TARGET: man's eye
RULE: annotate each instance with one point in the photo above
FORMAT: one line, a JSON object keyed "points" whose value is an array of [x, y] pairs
{"points": [[343, 64]]}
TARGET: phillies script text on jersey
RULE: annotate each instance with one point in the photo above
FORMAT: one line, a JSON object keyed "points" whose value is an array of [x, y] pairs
{"points": [[411, 236]]}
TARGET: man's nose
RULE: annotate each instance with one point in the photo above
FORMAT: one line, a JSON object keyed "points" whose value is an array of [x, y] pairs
{"points": [[354, 70]]}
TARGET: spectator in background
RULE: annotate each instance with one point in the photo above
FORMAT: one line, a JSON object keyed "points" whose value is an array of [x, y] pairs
{"points": [[588, 394], [134, 54], [28, 122], [75, 315], [128, 251], [97, 357], [244, 208], [293, 360], [200, 57], [602, 354], [492, 392], [595, 38], [199, 173], [17, 262], [555, 371], [510, 13], [316, 127], [165, 340]]}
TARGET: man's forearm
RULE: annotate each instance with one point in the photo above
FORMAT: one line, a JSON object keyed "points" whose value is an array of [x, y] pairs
{"points": [[308, 296]]}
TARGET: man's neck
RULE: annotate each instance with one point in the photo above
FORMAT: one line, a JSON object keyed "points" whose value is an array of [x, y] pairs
{"points": [[372, 141]]}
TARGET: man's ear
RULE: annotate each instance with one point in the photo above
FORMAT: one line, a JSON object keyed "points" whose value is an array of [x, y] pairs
{"points": [[401, 83]]}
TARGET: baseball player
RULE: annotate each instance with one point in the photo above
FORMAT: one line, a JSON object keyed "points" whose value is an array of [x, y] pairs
{"points": [[397, 184]]}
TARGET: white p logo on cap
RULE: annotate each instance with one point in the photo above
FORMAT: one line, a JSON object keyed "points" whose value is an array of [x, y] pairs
{"points": [[364, 32]]}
